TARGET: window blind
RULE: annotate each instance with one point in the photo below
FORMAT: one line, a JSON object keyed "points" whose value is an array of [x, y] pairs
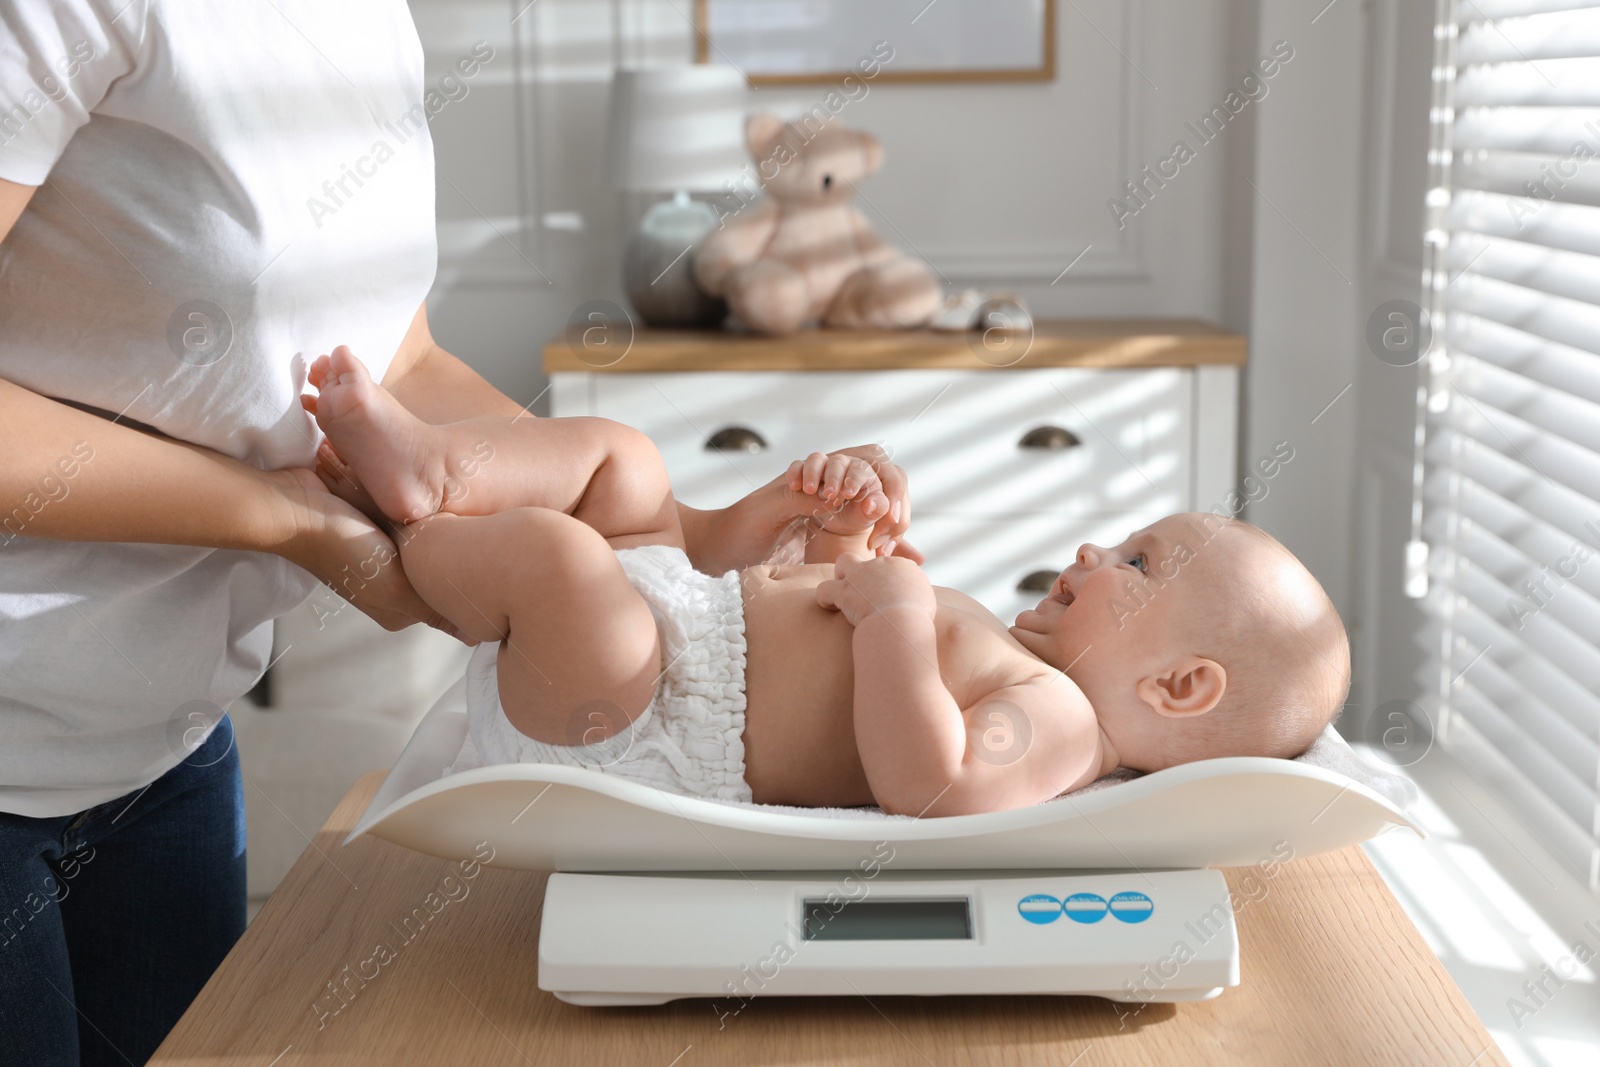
{"points": [[1506, 520]]}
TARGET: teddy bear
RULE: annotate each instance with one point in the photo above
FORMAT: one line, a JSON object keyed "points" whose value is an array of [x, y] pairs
{"points": [[803, 253]]}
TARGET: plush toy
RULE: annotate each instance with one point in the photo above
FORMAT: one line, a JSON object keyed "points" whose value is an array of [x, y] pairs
{"points": [[803, 253]]}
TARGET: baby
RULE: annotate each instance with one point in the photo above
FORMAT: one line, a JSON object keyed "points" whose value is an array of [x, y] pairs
{"points": [[842, 681]]}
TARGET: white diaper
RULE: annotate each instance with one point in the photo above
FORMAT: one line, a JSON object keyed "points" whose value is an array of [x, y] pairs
{"points": [[690, 739]]}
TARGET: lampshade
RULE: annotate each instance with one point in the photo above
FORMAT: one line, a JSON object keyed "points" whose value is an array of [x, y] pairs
{"points": [[673, 128]]}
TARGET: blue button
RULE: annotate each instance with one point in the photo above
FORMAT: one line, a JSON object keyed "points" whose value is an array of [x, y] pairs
{"points": [[1085, 907], [1039, 908], [1132, 907]]}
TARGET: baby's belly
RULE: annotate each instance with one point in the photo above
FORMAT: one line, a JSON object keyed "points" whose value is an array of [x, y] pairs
{"points": [[799, 735]]}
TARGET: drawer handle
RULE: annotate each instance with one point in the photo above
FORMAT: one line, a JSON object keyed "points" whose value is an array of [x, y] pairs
{"points": [[736, 439], [1049, 438], [1038, 582]]}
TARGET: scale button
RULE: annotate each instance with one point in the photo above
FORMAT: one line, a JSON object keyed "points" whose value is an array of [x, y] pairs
{"points": [[1085, 907], [1132, 907], [1039, 908]]}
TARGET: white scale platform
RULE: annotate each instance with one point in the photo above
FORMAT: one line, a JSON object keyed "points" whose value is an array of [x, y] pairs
{"points": [[657, 897]]}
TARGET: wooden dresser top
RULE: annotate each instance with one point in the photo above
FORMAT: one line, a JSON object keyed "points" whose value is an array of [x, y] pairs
{"points": [[1055, 343]]}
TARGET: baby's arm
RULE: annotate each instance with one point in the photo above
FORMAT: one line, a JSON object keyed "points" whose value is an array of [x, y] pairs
{"points": [[924, 754]]}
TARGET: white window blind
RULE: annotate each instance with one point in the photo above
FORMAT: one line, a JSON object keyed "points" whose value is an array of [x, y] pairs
{"points": [[1508, 434]]}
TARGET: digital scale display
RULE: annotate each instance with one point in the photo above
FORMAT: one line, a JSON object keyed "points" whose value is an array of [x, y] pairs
{"points": [[919, 919]]}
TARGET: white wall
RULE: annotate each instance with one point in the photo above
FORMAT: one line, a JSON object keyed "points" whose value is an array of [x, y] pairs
{"points": [[1342, 159], [1304, 291]]}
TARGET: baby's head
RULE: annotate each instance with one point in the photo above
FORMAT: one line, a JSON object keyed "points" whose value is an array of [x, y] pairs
{"points": [[1199, 636]]}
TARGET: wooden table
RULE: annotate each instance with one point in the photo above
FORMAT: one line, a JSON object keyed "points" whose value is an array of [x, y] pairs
{"points": [[1333, 973]]}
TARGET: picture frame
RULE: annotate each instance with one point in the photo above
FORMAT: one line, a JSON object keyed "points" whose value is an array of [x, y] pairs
{"points": [[779, 42]]}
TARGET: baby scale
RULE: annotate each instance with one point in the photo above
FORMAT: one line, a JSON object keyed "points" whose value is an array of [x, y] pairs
{"points": [[657, 896]]}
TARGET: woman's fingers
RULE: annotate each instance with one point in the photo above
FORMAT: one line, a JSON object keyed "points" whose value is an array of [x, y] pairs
{"points": [[330, 480], [897, 519], [342, 483], [444, 625], [897, 487], [909, 551]]}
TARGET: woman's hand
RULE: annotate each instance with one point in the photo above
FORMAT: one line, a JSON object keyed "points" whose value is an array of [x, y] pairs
{"points": [[339, 478], [344, 549]]}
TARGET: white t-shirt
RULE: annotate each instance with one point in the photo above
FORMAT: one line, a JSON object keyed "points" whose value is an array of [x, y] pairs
{"points": [[228, 190]]}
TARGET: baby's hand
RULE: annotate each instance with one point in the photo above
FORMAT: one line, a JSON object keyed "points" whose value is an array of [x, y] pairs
{"points": [[862, 588], [849, 494], [855, 490]]}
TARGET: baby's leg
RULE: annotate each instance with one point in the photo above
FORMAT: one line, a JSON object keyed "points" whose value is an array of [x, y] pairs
{"points": [[598, 471], [580, 655]]}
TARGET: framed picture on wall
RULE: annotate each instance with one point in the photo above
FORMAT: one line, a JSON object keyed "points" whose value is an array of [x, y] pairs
{"points": [[784, 42]]}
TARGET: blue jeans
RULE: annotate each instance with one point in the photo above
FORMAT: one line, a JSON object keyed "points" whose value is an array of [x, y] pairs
{"points": [[112, 919]]}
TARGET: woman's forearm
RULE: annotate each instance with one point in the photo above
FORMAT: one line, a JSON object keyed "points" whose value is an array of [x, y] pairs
{"points": [[71, 476], [439, 388], [740, 535], [710, 541], [694, 523]]}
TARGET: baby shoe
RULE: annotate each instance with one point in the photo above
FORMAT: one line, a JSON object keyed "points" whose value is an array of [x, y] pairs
{"points": [[1004, 312]]}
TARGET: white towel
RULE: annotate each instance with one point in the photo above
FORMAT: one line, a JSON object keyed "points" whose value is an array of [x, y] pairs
{"points": [[1330, 752]]}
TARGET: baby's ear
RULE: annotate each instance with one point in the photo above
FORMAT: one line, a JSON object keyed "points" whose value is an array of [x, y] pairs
{"points": [[1192, 686]]}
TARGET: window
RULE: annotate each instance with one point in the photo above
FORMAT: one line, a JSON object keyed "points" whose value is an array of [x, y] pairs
{"points": [[1506, 521]]}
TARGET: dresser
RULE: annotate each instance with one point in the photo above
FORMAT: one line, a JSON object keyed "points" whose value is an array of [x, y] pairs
{"points": [[1018, 447]]}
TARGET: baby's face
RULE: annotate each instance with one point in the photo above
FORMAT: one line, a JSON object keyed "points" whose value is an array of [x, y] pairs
{"points": [[1121, 611], [1155, 630]]}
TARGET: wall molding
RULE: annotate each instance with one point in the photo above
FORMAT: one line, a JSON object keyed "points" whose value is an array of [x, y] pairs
{"points": [[1384, 42], [1033, 263]]}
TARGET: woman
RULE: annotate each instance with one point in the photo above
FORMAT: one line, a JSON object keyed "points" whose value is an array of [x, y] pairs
{"points": [[163, 287]]}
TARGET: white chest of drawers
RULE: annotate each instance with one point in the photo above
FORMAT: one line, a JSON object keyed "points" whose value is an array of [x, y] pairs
{"points": [[1101, 429]]}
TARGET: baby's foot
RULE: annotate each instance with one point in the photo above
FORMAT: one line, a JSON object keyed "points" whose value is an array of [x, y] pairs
{"points": [[396, 455]]}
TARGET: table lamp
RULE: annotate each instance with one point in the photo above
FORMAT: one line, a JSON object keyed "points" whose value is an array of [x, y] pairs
{"points": [[674, 130]]}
